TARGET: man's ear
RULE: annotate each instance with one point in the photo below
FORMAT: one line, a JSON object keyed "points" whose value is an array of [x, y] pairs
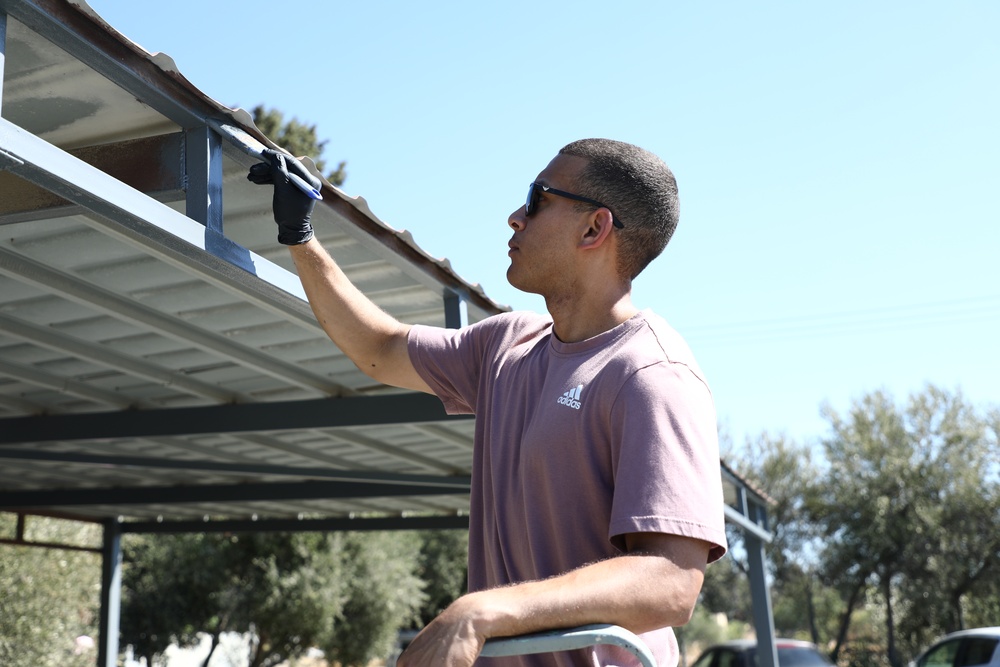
{"points": [[599, 225]]}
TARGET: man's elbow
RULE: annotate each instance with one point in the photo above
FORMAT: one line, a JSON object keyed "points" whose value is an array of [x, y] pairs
{"points": [[669, 604], [684, 600], [684, 612]]}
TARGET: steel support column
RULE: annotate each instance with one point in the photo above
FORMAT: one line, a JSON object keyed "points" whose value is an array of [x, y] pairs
{"points": [[3, 50], [760, 592], [456, 311], [203, 166], [111, 595]]}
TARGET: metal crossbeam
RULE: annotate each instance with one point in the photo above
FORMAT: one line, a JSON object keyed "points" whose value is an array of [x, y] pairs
{"points": [[151, 165], [220, 493], [351, 411], [450, 522], [229, 467]]}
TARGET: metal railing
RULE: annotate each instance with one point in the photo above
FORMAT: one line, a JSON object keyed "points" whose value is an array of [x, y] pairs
{"points": [[569, 639]]}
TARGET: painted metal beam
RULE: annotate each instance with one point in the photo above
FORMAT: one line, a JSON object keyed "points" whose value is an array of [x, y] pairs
{"points": [[230, 467], [151, 165], [220, 493], [449, 522], [351, 411], [127, 214], [735, 517]]}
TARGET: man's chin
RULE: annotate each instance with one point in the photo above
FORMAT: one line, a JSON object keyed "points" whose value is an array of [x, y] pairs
{"points": [[522, 287], [516, 282]]}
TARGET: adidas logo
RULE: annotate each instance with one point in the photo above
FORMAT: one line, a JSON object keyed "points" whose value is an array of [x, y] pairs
{"points": [[572, 397]]}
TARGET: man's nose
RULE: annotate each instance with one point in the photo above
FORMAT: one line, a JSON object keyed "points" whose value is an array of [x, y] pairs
{"points": [[517, 219]]}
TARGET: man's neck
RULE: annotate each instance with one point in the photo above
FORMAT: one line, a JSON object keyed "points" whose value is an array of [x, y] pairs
{"points": [[578, 319]]}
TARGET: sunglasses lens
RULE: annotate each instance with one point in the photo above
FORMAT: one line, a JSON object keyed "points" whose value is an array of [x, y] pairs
{"points": [[529, 204]]}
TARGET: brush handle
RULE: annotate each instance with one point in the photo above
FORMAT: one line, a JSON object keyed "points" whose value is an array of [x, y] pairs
{"points": [[301, 184], [251, 146]]}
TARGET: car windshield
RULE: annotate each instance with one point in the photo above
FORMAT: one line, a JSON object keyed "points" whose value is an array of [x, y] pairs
{"points": [[797, 656]]}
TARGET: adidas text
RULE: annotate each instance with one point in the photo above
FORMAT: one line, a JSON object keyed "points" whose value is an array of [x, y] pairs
{"points": [[571, 398]]}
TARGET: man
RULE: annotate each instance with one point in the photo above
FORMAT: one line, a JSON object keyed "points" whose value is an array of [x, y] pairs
{"points": [[596, 495]]}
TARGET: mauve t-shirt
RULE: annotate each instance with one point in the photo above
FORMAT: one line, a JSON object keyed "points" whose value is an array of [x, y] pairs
{"points": [[577, 445]]}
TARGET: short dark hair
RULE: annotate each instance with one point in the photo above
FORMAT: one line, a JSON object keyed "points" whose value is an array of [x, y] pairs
{"points": [[641, 191]]}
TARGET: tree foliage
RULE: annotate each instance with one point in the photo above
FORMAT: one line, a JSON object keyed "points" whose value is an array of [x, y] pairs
{"points": [[346, 593], [443, 566], [48, 597], [298, 139], [284, 588], [384, 594], [888, 538]]}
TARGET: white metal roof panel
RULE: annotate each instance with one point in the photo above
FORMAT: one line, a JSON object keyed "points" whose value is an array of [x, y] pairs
{"points": [[158, 360], [114, 302]]}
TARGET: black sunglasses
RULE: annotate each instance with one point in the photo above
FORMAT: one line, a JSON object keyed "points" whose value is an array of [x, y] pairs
{"points": [[535, 191]]}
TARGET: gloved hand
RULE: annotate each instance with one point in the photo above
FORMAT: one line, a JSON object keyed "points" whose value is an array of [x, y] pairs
{"points": [[292, 207]]}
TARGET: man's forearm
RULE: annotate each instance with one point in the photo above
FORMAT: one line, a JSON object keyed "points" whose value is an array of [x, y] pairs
{"points": [[638, 592], [648, 588], [371, 338]]}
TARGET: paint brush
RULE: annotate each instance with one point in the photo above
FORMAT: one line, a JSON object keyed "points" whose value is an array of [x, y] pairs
{"points": [[251, 146]]}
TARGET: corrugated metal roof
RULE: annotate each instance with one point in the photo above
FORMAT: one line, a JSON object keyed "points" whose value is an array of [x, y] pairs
{"points": [[114, 302], [158, 360]]}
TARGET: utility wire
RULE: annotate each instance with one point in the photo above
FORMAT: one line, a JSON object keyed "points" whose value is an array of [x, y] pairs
{"points": [[954, 312]]}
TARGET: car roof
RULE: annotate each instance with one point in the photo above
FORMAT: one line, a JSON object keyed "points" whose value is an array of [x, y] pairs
{"points": [[993, 632], [751, 643], [973, 632]]}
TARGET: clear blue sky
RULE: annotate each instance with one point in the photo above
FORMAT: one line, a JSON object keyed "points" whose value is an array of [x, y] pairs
{"points": [[838, 162]]}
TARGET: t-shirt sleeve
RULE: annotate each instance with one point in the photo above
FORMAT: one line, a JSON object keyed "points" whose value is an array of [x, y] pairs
{"points": [[666, 463], [450, 362]]}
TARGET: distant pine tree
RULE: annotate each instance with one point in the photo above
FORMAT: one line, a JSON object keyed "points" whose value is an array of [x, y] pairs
{"points": [[298, 139]]}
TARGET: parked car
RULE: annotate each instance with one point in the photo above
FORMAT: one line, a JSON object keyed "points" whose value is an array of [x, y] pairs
{"points": [[743, 653], [966, 648]]}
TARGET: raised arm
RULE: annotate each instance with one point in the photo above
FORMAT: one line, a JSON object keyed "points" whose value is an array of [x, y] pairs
{"points": [[370, 337]]}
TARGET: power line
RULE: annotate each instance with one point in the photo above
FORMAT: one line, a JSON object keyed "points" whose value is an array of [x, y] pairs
{"points": [[953, 312]]}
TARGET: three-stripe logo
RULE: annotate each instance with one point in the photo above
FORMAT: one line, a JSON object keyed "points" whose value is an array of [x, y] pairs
{"points": [[572, 397]]}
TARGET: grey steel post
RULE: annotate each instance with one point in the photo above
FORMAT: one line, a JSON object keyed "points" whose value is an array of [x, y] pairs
{"points": [[111, 595], [456, 314], [3, 50], [203, 167], [760, 592]]}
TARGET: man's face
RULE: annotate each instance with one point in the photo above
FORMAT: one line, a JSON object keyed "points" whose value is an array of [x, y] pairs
{"points": [[544, 244]]}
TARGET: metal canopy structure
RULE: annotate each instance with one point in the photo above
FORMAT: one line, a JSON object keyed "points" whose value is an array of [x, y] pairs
{"points": [[160, 368]]}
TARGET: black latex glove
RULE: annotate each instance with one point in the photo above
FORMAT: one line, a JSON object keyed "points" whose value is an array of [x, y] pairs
{"points": [[292, 207]]}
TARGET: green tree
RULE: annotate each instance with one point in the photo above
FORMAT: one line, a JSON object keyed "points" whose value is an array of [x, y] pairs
{"points": [[347, 593], [383, 595], [959, 558], [873, 503], [285, 588], [443, 567], [48, 596], [298, 139], [910, 508]]}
